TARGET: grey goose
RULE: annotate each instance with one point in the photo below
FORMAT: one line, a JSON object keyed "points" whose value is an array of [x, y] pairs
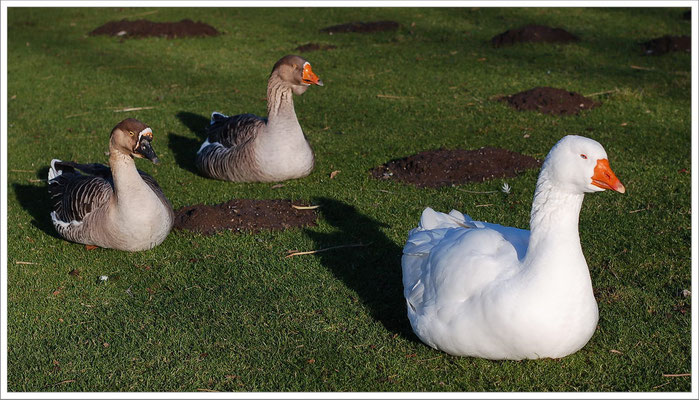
{"points": [[116, 207], [248, 148]]}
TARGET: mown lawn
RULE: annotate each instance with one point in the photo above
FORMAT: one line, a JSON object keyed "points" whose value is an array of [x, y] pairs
{"points": [[229, 312]]}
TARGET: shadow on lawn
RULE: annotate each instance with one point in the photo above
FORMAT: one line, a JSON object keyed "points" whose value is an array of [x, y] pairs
{"points": [[372, 271], [183, 148], [35, 199]]}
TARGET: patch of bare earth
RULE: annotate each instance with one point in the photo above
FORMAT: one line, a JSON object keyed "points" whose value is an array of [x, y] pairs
{"points": [[666, 44], [362, 27], [533, 33], [244, 215], [305, 48], [143, 28], [436, 168], [548, 100]]}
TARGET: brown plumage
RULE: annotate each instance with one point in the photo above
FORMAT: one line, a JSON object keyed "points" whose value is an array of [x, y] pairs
{"points": [[117, 206]]}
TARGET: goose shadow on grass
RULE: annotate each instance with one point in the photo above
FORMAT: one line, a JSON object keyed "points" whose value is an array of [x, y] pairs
{"points": [[183, 148], [372, 271], [35, 199]]}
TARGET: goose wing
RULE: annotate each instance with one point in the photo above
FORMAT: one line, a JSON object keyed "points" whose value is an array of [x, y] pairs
{"points": [[450, 257], [234, 131], [74, 195]]}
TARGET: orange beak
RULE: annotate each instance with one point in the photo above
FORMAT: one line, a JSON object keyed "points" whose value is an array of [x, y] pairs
{"points": [[604, 177], [309, 77]]}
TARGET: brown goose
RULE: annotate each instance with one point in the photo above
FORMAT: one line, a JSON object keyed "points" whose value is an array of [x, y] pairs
{"points": [[115, 207], [248, 148]]}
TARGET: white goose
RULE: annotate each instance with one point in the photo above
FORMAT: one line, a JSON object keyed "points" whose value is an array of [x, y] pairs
{"points": [[248, 148], [484, 290], [115, 207]]}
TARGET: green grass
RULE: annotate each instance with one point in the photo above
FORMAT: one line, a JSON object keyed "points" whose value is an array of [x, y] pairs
{"points": [[229, 312]]}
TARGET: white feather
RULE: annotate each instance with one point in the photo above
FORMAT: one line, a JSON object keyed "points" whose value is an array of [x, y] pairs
{"points": [[63, 224], [53, 173]]}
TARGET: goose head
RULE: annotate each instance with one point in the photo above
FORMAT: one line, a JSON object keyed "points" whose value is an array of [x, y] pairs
{"points": [[578, 164], [296, 72], [133, 138]]}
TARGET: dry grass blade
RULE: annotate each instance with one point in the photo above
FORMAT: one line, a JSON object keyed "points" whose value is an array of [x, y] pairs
{"points": [[133, 109], [76, 115], [641, 68], [142, 14], [639, 210], [25, 263], [675, 375], [390, 96], [293, 253], [61, 382], [476, 192], [601, 93], [305, 207], [428, 359]]}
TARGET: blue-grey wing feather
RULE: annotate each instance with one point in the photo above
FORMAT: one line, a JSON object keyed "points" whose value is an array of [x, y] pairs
{"points": [[234, 131], [230, 152], [74, 195], [81, 188]]}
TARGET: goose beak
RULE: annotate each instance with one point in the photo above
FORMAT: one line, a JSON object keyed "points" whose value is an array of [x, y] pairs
{"points": [[145, 150], [309, 77], [604, 177]]}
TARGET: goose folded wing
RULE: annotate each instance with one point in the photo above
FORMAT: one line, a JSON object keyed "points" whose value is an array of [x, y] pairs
{"points": [[74, 196], [95, 169], [236, 130]]}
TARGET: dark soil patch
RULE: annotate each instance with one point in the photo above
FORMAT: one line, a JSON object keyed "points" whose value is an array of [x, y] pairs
{"points": [[315, 46], [548, 100], [363, 27], [246, 215], [667, 44], [436, 168], [533, 33], [144, 28]]}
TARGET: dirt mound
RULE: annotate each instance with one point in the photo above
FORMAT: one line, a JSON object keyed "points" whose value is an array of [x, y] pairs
{"points": [[144, 28], [548, 100], [436, 168], [246, 215], [362, 27], [314, 46], [533, 33], [667, 44]]}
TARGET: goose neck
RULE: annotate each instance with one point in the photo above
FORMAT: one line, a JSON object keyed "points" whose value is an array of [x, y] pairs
{"points": [[124, 173], [554, 224], [280, 103]]}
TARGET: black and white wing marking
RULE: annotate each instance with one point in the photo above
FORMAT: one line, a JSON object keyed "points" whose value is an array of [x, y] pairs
{"points": [[233, 131], [74, 195]]}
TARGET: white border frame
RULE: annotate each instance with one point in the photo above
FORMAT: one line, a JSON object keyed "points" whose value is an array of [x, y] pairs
{"points": [[317, 3]]}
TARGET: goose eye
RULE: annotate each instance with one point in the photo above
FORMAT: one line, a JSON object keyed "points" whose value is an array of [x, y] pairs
{"points": [[583, 156], [131, 133]]}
